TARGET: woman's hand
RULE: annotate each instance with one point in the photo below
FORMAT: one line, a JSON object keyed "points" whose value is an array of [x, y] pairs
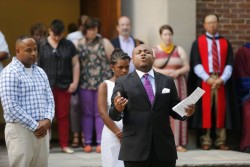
{"points": [[174, 74]]}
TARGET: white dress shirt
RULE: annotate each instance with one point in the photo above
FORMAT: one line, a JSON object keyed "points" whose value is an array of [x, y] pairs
{"points": [[74, 36], [151, 77], [128, 45]]}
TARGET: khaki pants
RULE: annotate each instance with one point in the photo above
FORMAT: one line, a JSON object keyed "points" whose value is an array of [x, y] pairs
{"points": [[220, 137], [220, 133], [24, 148]]}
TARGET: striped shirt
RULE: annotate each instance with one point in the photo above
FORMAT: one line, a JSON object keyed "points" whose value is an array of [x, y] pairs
{"points": [[26, 98]]}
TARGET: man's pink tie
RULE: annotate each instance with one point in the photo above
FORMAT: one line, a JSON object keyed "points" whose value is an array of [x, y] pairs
{"points": [[148, 88]]}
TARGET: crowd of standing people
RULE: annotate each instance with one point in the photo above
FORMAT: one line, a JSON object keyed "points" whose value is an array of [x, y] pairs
{"points": [[118, 95]]}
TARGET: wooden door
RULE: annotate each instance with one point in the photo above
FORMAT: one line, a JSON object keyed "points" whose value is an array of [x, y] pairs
{"points": [[107, 11]]}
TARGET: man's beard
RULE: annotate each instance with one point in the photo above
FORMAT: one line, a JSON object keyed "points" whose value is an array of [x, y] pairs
{"points": [[125, 32]]}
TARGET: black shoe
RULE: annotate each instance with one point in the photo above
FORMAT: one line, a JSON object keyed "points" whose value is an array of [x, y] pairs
{"points": [[247, 150]]}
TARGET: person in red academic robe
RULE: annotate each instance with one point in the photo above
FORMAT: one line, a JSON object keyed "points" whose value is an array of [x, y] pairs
{"points": [[211, 63]]}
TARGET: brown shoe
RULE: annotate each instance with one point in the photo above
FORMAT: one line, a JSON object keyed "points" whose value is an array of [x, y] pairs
{"points": [[223, 147], [205, 147]]}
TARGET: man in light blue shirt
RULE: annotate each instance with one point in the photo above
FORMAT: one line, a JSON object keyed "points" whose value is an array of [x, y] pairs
{"points": [[28, 106], [124, 40]]}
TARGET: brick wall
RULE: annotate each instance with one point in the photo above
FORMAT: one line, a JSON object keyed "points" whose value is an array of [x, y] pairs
{"points": [[234, 19]]}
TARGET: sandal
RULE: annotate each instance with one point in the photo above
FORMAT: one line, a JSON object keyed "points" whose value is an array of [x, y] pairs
{"points": [[181, 149], [83, 142], [87, 148], [98, 149], [75, 142]]}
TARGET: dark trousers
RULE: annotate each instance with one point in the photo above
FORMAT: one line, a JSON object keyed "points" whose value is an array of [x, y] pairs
{"points": [[152, 161]]}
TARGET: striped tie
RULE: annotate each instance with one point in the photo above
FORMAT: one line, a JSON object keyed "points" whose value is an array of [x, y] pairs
{"points": [[215, 56], [148, 88]]}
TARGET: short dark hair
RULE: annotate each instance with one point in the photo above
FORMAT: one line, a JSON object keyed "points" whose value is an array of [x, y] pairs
{"points": [[40, 27], [213, 14], [22, 37], [72, 27], [166, 27], [89, 24], [118, 54], [57, 27]]}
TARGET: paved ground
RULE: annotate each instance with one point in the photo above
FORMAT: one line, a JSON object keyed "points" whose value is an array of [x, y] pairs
{"points": [[192, 158]]}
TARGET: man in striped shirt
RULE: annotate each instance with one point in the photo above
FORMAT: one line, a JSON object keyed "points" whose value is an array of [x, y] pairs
{"points": [[28, 106]]}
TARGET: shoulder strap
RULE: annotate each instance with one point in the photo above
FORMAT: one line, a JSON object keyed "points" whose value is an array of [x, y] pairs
{"points": [[170, 54]]}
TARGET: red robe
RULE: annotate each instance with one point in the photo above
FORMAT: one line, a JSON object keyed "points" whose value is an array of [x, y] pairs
{"points": [[203, 115], [206, 99]]}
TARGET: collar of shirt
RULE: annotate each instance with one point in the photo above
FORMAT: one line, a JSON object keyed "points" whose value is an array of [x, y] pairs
{"points": [[19, 65], [151, 73], [151, 78], [210, 36], [125, 40]]}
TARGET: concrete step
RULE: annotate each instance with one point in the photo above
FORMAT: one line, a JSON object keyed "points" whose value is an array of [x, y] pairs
{"points": [[213, 158], [191, 158]]}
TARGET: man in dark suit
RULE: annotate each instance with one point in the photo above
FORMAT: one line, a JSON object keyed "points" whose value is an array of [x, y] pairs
{"points": [[124, 40], [147, 139]]}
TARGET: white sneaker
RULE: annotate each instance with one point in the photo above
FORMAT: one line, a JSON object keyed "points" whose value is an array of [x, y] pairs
{"points": [[67, 150]]}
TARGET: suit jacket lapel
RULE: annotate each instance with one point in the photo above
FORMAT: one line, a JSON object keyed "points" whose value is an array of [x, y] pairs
{"points": [[118, 43], [158, 83], [140, 86]]}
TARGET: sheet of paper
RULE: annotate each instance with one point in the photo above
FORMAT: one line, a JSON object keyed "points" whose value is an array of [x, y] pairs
{"points": [[191, 99]]}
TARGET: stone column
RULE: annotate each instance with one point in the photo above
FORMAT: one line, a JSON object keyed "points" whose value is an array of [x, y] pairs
{"points": [[148, 15]]}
